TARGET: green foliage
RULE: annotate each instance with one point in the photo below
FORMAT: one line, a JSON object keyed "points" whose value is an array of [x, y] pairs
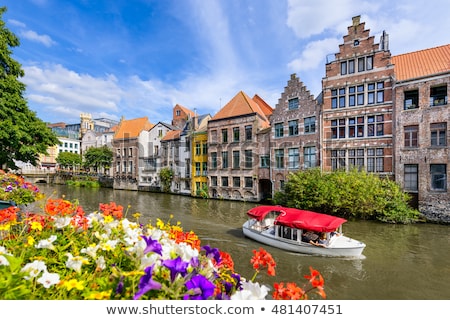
{"points": [[68, 159], [23, 136], [166, 176], [348, 194], [83, 183], [98, 158], [203, 192]]}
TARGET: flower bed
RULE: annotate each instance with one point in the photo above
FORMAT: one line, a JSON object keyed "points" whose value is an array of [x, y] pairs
{"points": [[64, 253]]}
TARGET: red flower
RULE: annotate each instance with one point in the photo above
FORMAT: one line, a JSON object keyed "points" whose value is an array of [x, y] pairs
{"points": [[111, 209], [289, 292], [316, 281], [263, 259], [8, 214]]}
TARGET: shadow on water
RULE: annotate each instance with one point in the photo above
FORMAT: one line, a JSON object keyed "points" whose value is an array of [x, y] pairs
{"points": [[400, 261]]}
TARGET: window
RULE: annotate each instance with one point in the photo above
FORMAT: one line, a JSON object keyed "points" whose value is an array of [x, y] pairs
{"points": [[375, 160], [411, 99], [278, 130], [224, 159], [438, 96], [214, 160], [369, 63], [294, 158], [360, 95], [375, 126], [279, 158], [204, 169], [248, 133], [236, 159], [236, 134], [351, 66], [236, 182], [438, 177], [205, 148], [248, 159], [380, 92], [342, 98], [352, 127], [411, 177], [130, 166], [334, 99], [214, 181], [337, 159], [197, 169], [371, 93], [343, 67], [310, 125], [178, 113], [338, 128], [224, 136], [293, 104], [248, 182], [265, 161], [213, 137], [293, 127], [361, 64], [309, 157], [351, 96], [438, 134], [356, 158], [411, 134], [224, 181], [197, 148]]}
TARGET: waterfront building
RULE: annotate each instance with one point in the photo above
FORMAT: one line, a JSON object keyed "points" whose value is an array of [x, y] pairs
{"points": [[199, 155]]}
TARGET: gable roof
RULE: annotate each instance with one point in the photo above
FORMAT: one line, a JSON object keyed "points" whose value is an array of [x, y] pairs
{"points": [[268, 110], [422, 63], [185, 110], [240, 105], [132, 128], [172, 135]]}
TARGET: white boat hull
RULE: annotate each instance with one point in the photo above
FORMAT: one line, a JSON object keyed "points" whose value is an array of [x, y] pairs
{"points": [[339, 246]]}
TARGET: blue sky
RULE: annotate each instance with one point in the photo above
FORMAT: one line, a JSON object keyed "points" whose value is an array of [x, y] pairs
{"points": [[136, 58]]}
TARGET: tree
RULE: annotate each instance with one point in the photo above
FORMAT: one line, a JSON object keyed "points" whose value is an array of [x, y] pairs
{"points": [[98, 158], [166, 176], [68, 159], [23, 136]]}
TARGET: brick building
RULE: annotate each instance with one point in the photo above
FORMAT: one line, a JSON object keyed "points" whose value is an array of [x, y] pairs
{"points": [[357, 104]]}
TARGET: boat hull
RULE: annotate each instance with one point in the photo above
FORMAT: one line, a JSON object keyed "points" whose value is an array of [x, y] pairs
{"points": [[340, 246]]}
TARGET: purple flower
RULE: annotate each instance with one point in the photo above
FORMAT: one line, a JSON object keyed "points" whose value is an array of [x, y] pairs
{"points": [[176, 266], [201, 287], [146, 283], [212, 252], [152, 245], [119, 288]]}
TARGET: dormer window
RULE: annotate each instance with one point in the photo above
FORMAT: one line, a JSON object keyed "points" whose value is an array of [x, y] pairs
{"points": [[356, 43]]}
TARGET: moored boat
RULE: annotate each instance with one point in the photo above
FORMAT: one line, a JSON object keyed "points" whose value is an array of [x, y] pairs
{"points": [[300, 231]]}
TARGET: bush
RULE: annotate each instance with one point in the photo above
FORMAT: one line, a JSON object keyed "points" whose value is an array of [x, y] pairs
{"points": [[347, 194]]}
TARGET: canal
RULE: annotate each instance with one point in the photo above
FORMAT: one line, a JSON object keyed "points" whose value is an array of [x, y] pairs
{"points": [[401, 262]]}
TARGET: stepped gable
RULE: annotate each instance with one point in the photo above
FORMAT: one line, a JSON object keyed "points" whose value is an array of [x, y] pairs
{"points": [[240, 105], [132, 128], [422, 63]]}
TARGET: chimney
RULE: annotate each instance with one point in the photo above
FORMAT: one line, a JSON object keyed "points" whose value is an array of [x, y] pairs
{"points": [[384, 41]]}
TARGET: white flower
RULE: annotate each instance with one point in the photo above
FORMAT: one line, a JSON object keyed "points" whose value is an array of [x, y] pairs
{"points": [[47, 243], [251, 291], [101, 263], [61, 222], [48, 279], [75, 263], [109, 245], [34, 268], [3, 261], [91, 250]]}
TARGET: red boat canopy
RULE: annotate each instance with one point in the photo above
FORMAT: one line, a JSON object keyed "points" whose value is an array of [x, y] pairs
{"points": [[260, 212], [300, 219]]}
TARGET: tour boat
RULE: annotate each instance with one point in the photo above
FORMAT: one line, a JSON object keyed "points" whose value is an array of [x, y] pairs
{"points": [[288, 228]]}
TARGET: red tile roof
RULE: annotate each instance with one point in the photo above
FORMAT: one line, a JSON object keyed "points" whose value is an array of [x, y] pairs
{"points": [[422, 63], [132, 128], [268, 110], [171, 135], [240, 105]]}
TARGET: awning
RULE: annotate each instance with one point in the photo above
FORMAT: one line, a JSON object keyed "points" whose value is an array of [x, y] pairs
{"points": [[260, 212]]}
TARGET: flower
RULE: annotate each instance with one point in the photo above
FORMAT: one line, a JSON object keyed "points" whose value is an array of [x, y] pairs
{"points": [[15, 188], [102, 255], [200, 287]]}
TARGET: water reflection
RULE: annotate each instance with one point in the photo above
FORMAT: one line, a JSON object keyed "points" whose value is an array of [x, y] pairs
{"points": [[400, 261]]}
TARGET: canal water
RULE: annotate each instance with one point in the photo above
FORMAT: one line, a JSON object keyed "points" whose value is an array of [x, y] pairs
{"points": [[400, 262]]}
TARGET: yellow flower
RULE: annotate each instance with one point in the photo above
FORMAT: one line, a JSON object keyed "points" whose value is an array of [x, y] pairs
{"points": [[30, 240], [36, 226], [104, 295], [137, 215], [109, 219], [5, 227], [73, 284]]}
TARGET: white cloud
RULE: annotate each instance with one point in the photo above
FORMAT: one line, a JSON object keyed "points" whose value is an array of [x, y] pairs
{"points": [[314, 54], [16, 23], [33, 36]]}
